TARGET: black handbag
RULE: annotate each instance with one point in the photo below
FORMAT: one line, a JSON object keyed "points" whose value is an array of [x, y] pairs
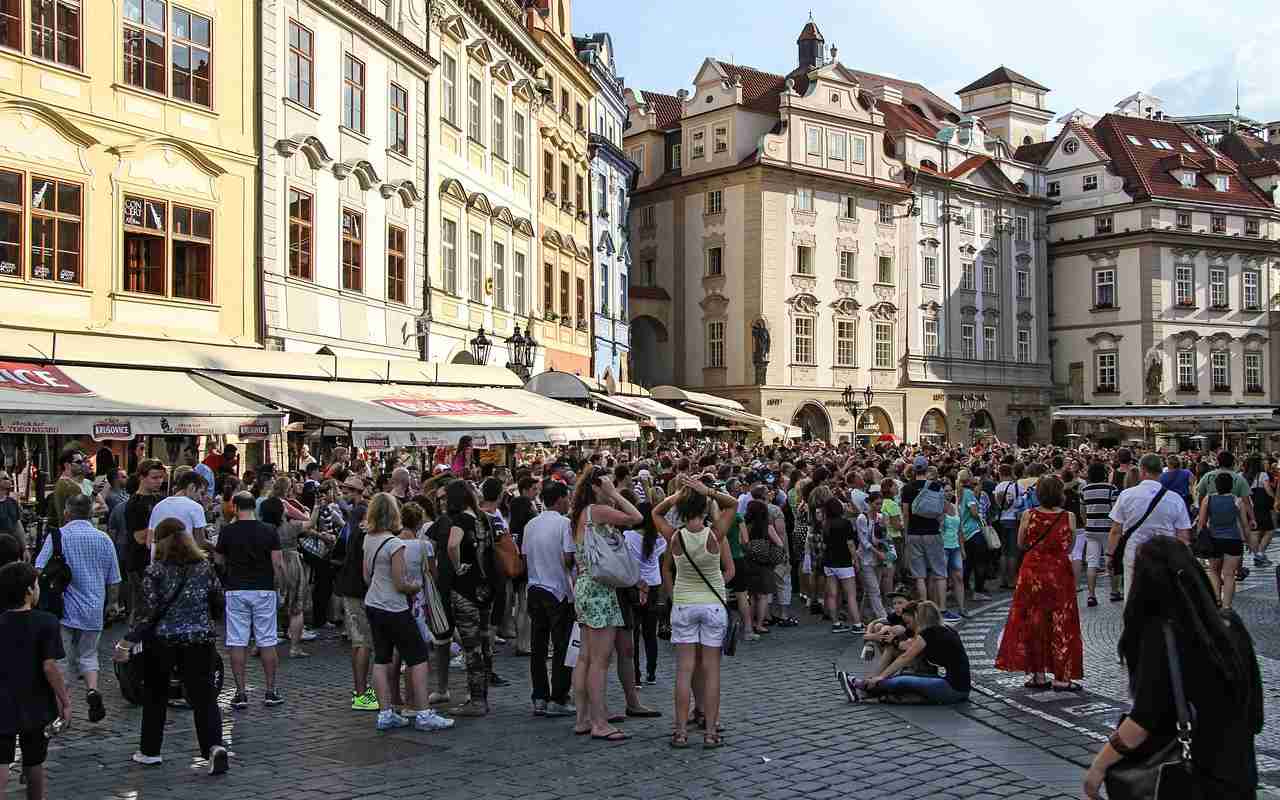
{"points": [[765, 552], [729, 646], [1164, 771]]}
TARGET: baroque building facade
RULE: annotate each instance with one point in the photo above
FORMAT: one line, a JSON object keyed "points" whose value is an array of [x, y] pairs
{"points": [[794, 236], [344, 142]]}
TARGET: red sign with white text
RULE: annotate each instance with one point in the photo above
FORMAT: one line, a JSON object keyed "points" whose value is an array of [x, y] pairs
{"points": [[25, 377], [428, 407]]}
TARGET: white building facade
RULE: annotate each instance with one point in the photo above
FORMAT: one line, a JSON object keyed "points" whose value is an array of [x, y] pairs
{"points": [[344, 141]]}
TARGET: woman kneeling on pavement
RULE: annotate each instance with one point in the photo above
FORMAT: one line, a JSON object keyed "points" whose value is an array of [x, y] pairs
{"points": [[935, 644]]}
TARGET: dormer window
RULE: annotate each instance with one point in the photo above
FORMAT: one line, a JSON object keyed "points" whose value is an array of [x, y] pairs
{"points": [[1089, 183], [1188, 147], [1221, 182], [1187, 178], [1133, 140]]}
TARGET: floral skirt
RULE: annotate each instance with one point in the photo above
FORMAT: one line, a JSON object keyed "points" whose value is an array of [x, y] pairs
{"points": [[596, 604]]}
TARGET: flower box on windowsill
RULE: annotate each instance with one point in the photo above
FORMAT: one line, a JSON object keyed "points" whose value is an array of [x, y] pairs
{"points": [[551, 316], [1185, 305], [582, 216], [565, 322], [582, 325], [550, 197], [1252, 308]]}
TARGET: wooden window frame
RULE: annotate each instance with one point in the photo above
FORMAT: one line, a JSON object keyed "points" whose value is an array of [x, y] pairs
{"points": [[55, 30], [301, 224], [397, 259], [57, 217], [170, 236], [398, 119], [350, 84], [296, 58], [352, 270], [170, 42], [13, 25]]}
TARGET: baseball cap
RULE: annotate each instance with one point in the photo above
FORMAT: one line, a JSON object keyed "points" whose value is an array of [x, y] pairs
{"points": [[352, 482], [921, 462]]}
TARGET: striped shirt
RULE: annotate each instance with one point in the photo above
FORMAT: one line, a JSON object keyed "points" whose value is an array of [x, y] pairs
{"points": [[1097, 499]]}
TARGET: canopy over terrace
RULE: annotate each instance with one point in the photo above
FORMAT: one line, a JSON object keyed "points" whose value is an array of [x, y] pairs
{"points": [[727, 410], [381, 415], [1169, 422], [628, 399]]}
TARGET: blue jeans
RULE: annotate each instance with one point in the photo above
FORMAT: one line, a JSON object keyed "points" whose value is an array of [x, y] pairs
{"points": [[935, 690]]}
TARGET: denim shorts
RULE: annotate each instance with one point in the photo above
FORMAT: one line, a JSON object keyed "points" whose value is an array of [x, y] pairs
{"points": [[928, 557], [955, 563]]}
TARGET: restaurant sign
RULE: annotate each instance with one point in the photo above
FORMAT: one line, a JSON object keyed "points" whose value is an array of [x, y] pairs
{"points": [[40, 378], [431, 407]]}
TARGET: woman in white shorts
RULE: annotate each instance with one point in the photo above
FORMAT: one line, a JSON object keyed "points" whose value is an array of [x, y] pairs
{"points": [[699, 616]]}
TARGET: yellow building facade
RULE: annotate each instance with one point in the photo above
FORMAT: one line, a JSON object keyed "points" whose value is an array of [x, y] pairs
{"points": [[128, 204]]}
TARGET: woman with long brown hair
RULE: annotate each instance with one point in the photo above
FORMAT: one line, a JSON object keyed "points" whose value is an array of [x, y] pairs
{"points": [[290, 520], [596, 503]]}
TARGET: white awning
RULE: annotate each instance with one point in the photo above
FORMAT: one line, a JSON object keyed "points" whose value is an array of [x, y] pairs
{"points": [[661, 416], [1167, 413], [687, 396], [110, 403], [746, 419], [383, 415]]}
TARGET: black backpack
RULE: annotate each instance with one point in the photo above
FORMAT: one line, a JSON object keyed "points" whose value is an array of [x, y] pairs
{"points": [[55, 578]]}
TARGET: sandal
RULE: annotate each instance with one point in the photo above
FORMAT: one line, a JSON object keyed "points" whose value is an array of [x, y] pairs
{"points": [[788, 622], [616, 719], [1033, 684], [614, 735], [1092, 602], [1116, 597], [711, 741], [577, 732], [643, 713], [1071, 686], [679, 740]]}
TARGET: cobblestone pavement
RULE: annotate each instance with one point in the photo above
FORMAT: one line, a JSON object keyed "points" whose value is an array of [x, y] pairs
{"points": [[790, 734]]}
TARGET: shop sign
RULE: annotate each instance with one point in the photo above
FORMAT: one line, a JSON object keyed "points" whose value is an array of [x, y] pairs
{"points": [[258, 429], [31, 426], [430, 407], [380, 442], [42, 379], [119, 430]]}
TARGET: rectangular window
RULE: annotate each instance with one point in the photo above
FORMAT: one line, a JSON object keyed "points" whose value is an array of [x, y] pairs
{"points": [[1253, 373], [804, 200], [836, 146], [1220, 369], [1104, 288], [1187, 179], [1252, 300], [579, 120], [602, 197], [517, 285], [352, 250], [145, 29], [675, 156], [55, 230], [720, 139], [931, 337], [648, 272], [989, 278], [846, 343], [301, 65], [813, 141], [859, 149], [930, 277], [1187, 370], [1089, 183], [191, 55], [1022, 229], [1102, 224], [475, 265], [647, 217], [715, 344], [622, 296], [1184, 285], [499, 127], [1053, 189], [353, 94], [1024, 346], [517, 142], [886, 213], [499, 275], [990, 349], [11, 24], [988, 221], [156, 234], [884, 270], [449, 254], [548, 175], [849, 207], [1221, 182], [713, 202], [579, 193], [11, 223], [715, 261], [1105, 369], [564, 296], [581, 298], [966, 218], [930, 211], [967, 276], [1218, 288], [55, 30], [1184, 220], [1024, 284], [548, 289], [398, 120], [449, 89], [803, 341], [848, 265], [1252, 227], [146, 224], [192, 247], [396, 251], [1218, 223], [699, 144], [564, 103], [300, 222], [565, 199], [967, 341], [603, 308], [804, 260], [883, 336], [474, 129]]}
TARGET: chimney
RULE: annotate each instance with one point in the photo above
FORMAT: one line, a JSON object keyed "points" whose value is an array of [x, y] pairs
{"points": [[890, 94]]}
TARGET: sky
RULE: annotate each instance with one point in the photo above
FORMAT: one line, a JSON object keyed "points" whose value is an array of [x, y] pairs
{"points": [[1090, 53]]}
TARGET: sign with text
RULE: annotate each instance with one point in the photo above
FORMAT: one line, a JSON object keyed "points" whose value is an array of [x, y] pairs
{"points": [[258, 429], [119, 430], [431, 407], [39, 378]]}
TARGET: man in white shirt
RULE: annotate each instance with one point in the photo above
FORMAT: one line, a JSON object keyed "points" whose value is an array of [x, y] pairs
{"points": [[185, 505], [1168, 517], [548, 549]]}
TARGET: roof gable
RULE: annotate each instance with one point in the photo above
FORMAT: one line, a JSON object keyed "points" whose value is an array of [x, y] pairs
{"points": [[1001, 75]]}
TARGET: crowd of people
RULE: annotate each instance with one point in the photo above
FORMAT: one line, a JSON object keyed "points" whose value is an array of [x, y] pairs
{"points": [[583, 560]]}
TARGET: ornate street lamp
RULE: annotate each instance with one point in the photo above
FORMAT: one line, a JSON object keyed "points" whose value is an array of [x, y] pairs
{"points": [[480, 347], [530, 348], [516, 345], [851, 404]]}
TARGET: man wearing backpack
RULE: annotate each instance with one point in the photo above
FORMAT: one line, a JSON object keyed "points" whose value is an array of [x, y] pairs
{"points": [[923, 505]]}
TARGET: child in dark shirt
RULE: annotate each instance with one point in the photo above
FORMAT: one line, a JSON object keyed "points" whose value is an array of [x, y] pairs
{"points": [[32, 693]]}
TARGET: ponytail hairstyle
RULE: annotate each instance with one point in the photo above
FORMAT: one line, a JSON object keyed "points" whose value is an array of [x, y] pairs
{"points": [[584, 493], [757, 519], [648, 530], [691, 504]]}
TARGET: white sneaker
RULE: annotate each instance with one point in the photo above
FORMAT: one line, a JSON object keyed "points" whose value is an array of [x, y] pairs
{"points": [[431, 721], [390, 720], [309, 635], [457, 662], [147, 760]]}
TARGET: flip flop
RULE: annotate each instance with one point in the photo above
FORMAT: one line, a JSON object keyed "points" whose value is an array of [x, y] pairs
{"points": [[1070, 687], [616, 718], [711, 741], [1031, 684], [614, 735], [577, 732], [647, 713], [679, 740]]}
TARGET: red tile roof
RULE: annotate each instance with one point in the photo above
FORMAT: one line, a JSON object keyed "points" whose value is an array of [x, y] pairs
{"points": [[968, 165], [1034, 153], [1261, 169], [760, 90], [899, 118], [810, 32], [1144, 166], [999, 75], [667, 108]]}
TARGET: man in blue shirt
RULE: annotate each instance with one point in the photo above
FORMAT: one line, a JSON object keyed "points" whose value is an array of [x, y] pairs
{"points": [[95, 571]]}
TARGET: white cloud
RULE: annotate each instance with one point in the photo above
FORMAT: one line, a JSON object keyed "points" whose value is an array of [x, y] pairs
{"points": [[1254, 63]]}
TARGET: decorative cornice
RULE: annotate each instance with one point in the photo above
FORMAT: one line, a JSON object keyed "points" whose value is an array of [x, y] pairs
{"points": [[1025, 316], [846, 306], [803, 303], [884, 310], [502, 214], [451, 189], [188, 151], [1101, 336], [311, 147], [479, 201], [969, 311], [1099, 256], [1023, 259]]}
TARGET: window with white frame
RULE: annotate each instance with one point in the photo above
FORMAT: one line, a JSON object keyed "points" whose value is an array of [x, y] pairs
{"points": [[715, 343], [715, 261], [988, 221], [886, 213], [883, 340], [675, 155], [604, 289], [499, 127], [1253, 372], [804, 260], [931, 336], [1221, 182], [968, 346], [990, 350], [517, 285], [804, 199], [1104, 288], [449, 89], [1220, 370], [884, 270], [699, 140], [517, 142], [966, 217], [713, 202], [859, 149], [1024, 283], [813, 140], [1103, 223], [846, 343], [1053, 189], [930, 277], [1217, 287], [1187, 179], [967, 280], [1022, 229], [1184, 285], [1105, 364], [474, 102], [929, 215], [1186, 370], [802, 341], [1024, 346], [1252, 299], [1183, 220], [849, 207], [500, 275], [449, 254], [476, 261], [720, 139], [836, 146], [1089, 183], [989, 278], [848, 265]]}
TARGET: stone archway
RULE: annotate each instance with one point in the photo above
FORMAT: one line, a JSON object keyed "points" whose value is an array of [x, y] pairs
{"points": [[652, 362], [1026, 431], [872, 424], [933, 427], [981, 425], [813, 420]]}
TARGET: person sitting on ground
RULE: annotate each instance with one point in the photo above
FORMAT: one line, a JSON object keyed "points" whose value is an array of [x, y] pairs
{"points": [[934, 643]]}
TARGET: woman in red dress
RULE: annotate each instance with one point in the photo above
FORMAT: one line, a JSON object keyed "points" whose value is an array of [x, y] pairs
{"points": [[1043, 633]]}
